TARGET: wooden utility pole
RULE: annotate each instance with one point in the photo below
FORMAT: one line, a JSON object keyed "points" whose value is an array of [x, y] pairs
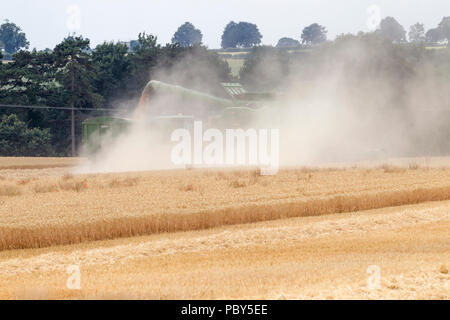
{"points": [[73, 114]]}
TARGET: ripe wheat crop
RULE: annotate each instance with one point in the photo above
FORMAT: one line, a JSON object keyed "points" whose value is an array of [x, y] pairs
{"points": [[66, 208], [36, 163]]}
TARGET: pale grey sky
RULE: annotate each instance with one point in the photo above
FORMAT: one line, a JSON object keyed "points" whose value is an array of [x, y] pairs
{"points": [[45, 21]]}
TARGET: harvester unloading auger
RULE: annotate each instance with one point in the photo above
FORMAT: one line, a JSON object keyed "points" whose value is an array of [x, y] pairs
{"points": [[179, 107], [158, 87]]}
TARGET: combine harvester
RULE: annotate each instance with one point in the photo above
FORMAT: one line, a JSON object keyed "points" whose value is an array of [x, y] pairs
{"points": [[165, 107]]}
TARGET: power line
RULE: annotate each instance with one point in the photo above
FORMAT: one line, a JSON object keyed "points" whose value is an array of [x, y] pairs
{"points": [[54, 108]]}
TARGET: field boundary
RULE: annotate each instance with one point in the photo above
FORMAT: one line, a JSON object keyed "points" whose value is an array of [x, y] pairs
{"points": [[17, 163], [45, 236], [35, 166]]}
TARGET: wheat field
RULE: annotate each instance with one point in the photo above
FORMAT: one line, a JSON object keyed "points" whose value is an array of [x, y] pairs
{"points": [[37, 163], [66, 209], [232, 232], [319, 257]]}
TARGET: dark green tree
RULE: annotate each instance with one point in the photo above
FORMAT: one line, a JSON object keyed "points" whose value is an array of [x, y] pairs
{"points": [[143, 59], [112, 65], [73, 75], [12, 37], [16, 139], [187, 35], [77, 76], [314, 34], [30, 80], [249, 35], [230, 35], [242, 34], [392, 30]]}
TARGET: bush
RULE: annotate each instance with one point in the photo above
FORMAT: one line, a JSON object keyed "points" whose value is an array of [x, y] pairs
{"points": [[16, 139]]}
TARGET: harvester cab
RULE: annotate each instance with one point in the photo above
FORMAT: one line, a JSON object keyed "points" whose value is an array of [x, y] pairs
{"points": [[241, 96]]}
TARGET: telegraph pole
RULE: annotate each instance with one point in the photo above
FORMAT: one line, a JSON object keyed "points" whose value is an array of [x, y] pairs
{"points": [[73, 114]]}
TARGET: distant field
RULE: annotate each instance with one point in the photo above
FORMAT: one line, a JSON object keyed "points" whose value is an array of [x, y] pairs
{"points": [[436, 48], [236, 62], [235, 66], [234, 53]]}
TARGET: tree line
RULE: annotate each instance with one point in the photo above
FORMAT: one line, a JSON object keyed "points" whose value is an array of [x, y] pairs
{"points": [[246, 35], [90, 81]]}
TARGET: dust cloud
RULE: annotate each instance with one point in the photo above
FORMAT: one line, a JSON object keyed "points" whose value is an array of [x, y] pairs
{"points": [[356, 99]]}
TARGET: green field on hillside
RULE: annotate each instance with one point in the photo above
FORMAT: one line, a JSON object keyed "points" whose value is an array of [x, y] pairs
{"points": [[235, 66]]}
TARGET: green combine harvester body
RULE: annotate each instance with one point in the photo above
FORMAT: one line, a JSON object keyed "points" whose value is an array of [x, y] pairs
{"points": [[234, 112], [96, 131]]}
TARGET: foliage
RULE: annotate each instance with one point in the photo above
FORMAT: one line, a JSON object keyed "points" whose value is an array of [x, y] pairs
{"points": [[314, 34], [76, 72], [416, 33], [434, 35], [242, 34], [288, 43], [444, 26], [72, 73], [144, 58], [28, 79], [112, 66], [16, 139], [12, 37], [391, 29], [187, 35]]}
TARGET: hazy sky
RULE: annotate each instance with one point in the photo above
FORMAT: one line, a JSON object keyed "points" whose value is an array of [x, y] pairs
{"points": [[46, 21]]}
